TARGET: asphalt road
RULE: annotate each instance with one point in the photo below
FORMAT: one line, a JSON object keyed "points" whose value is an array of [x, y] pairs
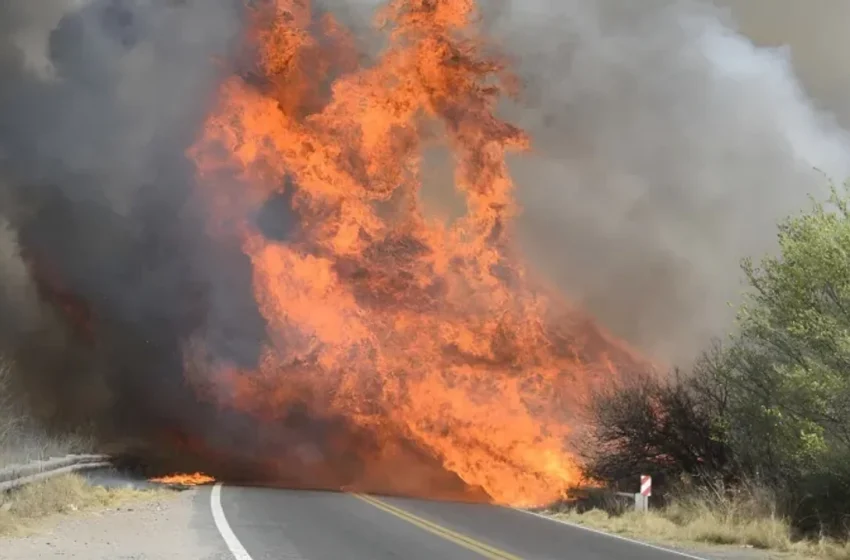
{"points": [[268, 524]]}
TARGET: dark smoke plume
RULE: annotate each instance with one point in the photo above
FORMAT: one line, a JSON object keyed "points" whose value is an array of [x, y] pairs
{"points": [[104, 263]]}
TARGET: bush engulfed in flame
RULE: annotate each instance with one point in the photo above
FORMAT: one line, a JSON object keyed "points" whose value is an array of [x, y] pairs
{"points": [[409, 328]]}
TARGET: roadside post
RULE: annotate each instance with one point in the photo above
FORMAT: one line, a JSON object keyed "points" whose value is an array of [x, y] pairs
{"points": [[642, 497]]}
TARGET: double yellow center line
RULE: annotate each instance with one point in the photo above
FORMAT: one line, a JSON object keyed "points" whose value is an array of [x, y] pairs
{"points": [[469, 543]]}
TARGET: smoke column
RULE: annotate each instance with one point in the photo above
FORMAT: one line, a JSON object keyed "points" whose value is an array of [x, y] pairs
{"points": [[98, 101], [665, 146]]}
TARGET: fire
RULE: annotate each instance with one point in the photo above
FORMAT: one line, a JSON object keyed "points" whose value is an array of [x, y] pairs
{"points": [[189, 479], [410, 328]]}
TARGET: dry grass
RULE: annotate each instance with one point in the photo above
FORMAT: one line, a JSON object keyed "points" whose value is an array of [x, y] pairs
{"points": [[20, 440], [744, 518], [25, 446], [21, 509]]}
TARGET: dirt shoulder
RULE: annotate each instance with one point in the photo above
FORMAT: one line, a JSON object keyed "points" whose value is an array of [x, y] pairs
{"points": [[168, 526]]}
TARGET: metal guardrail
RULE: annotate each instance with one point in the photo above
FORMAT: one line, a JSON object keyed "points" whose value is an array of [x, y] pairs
{"points": [[15, 476], [641, 501]]}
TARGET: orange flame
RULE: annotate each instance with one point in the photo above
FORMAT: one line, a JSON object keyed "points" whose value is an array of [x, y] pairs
{"points": [[403, 324], [189, 479]]}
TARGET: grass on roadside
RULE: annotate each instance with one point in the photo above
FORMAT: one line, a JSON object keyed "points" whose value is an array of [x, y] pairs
{"points": [[20, 509], [21, 440], [25, 447], [742, 519]]}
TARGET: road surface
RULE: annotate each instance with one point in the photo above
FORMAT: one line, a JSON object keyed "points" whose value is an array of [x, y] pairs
{"points": [[264, 524], [242, 523]]}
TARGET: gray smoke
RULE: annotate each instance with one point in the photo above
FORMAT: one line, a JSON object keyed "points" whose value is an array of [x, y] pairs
{"points": [[123, 76], [98, 101], [666, 146], [815, 36], [27, 27]]}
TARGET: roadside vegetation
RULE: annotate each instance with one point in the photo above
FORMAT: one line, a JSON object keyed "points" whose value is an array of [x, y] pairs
{"points": [[751, 446], [21, 439], [742, 517], [21, 509]]}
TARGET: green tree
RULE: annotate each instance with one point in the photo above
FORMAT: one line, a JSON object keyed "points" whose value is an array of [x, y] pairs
{"points": [[791, 357], [774, 403]]}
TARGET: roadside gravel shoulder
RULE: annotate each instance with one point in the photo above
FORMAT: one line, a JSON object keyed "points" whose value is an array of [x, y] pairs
{"points": [[165, 527]]}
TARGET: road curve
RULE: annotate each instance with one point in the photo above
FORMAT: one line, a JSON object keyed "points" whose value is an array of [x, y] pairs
{"points": [[267, 524]]}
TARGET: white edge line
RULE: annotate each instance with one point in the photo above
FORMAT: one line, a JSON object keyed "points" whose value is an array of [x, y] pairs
{"points": [[236, 549], [611, 535]]}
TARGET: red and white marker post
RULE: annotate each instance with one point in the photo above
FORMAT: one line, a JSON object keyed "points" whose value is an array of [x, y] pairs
{"points": [[642, 497], [645, 485]]}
